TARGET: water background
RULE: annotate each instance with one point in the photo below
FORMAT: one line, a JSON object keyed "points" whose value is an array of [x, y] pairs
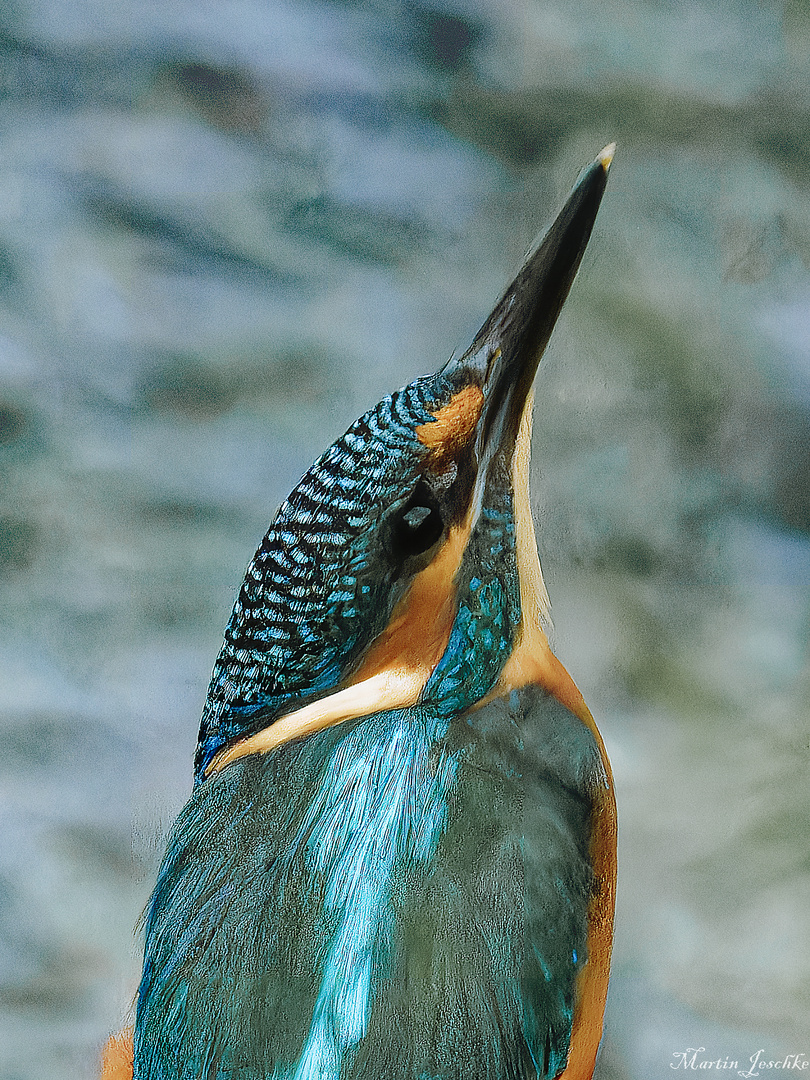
{"points": [[228, 228]]}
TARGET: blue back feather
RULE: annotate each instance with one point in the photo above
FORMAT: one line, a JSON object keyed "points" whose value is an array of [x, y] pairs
{"points": [[400, 896]]}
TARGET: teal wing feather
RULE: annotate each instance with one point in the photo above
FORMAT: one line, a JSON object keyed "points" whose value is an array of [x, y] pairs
{"points": [[233, 943]]}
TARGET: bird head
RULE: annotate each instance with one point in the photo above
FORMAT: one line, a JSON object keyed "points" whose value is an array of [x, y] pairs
{"points": [[403, 567]]}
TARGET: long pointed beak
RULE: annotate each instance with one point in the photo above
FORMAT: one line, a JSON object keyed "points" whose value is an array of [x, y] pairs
{"points": [[504, 356]]}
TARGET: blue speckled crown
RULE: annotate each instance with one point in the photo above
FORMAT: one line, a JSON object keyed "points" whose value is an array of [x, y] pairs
{"points": [[313, 596]]}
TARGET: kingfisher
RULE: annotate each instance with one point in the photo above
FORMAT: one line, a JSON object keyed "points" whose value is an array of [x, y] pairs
{"points": [[398, 859]]}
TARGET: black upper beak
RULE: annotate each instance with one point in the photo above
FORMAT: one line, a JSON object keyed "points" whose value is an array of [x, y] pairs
{"points": [[504, 356]]}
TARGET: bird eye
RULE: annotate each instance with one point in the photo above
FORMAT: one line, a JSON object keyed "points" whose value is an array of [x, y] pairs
{"points": [[416, 517], [418, 525]]}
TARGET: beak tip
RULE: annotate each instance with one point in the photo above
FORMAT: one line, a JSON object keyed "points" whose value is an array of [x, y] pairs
{"points": [[606, 156]]}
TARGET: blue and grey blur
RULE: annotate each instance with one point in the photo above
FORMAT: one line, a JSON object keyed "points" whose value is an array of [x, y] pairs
{"points": [[228, 229]]}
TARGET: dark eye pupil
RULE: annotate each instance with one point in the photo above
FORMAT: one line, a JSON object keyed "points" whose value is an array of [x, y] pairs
{"points": [[419, 525]]}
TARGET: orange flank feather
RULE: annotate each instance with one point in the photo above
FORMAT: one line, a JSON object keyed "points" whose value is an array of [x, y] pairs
{"points": [[117, 1057], [592, 984]]}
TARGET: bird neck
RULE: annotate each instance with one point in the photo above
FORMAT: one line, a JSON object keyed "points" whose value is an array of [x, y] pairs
{"points": [[487, 618]]}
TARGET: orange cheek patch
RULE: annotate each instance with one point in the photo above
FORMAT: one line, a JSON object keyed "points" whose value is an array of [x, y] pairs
{"points": [[452, 426], [397, 667]]}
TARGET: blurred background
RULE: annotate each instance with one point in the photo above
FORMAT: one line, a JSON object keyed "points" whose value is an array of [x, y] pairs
{"points": [[226, 229]]}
